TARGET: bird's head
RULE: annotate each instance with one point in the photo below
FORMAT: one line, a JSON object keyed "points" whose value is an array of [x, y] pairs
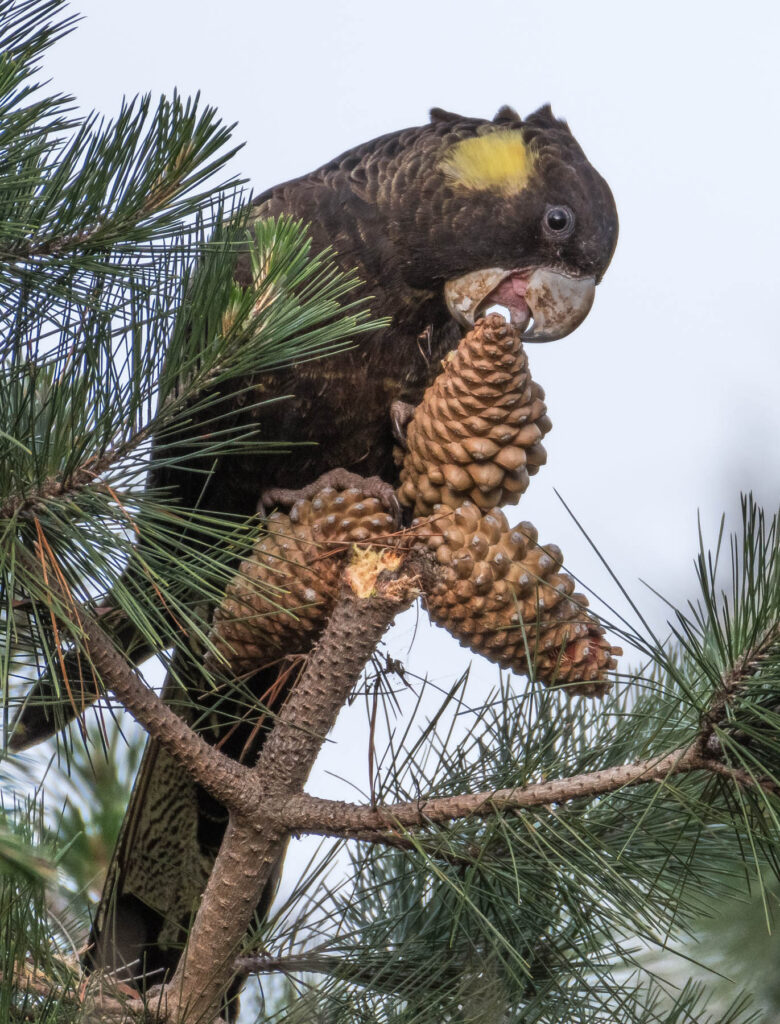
{"points": [[460, 214], [506, 212]]}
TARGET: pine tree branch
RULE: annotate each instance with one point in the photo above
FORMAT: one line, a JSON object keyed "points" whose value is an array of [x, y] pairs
{"points": [[744, 668], [87, 473], [83, 476], [99, 1006], [255, 838], [387, 824], [192, 373], [219, 775], [267, 803], [739, 775], [222, 777], [26, 250], [250, 850], [294, 963]]}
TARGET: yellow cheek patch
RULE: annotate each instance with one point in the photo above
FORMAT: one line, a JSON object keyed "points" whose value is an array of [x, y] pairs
{"points": [[501, 161]]}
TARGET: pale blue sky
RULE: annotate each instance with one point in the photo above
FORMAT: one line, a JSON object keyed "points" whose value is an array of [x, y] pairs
{"points": [[666, 400]]}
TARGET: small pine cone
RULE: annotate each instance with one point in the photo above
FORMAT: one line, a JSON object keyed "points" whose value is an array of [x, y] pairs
{"points": [[503, 595], [476, 434], [280, 598]]}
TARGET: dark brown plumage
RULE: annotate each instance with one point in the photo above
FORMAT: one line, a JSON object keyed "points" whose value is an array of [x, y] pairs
{"points": [[393, 213], [412, 212], [439, 221]]}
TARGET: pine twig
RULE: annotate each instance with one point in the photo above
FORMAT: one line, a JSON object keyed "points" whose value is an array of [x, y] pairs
{"points": [[744, 668], [249, 851], [387, 824], [55, 487], [100, 1006], [225, 779]]}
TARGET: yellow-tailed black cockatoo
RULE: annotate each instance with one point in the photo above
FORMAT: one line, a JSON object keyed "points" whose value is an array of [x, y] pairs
{"points": [[440, 221]]}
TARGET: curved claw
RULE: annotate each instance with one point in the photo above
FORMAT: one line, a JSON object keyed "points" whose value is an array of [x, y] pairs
{"points": [[401, 414]]}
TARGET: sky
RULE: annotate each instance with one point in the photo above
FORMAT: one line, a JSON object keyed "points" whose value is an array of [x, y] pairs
{"points": [[665, 402]]}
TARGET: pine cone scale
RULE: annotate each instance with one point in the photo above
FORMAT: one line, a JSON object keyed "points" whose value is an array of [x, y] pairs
{"points": [[468, 437]]}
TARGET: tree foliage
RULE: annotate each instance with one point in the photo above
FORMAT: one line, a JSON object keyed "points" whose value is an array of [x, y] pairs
{"points": [[121, 318]]}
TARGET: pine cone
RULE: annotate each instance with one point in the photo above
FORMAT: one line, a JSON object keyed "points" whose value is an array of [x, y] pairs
{"points": [[503, 596], [497, 590], [279, 600], [475, 435]]}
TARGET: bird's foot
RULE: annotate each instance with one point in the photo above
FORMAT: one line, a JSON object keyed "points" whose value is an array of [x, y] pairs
{"points": [[339, 480], [401, 414]]}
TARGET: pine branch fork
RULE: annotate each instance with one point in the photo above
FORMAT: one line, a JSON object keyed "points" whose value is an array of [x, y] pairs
{"points": [[267, 802], [509, 874], [493, 586]]}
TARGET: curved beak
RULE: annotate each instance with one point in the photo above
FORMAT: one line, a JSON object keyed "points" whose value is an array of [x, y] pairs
{"points": [[546, 304], [558, 304]]}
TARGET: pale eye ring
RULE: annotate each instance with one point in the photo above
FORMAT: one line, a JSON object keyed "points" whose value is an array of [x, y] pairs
{"points": [[558, 221]]}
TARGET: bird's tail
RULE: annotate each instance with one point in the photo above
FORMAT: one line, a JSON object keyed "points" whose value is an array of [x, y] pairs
{"points": [[170, 837], [56, 699]]}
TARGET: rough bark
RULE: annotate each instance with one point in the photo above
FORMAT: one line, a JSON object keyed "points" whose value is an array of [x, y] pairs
{"points": [[251, 848]]}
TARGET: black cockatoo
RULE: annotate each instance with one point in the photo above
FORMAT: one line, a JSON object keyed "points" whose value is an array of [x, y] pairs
{"points": [[440, 221]]}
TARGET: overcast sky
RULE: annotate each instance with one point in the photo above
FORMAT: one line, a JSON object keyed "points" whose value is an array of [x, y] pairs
{"points": [[665, 402]]}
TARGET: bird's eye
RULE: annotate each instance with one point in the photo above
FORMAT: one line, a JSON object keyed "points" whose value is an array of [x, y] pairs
{"points": [[559, 221]]}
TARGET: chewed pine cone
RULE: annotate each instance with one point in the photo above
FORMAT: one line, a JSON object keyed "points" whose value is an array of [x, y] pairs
{"points": [[279, 600], [476, 434], [503, 596], [494, 588]]}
